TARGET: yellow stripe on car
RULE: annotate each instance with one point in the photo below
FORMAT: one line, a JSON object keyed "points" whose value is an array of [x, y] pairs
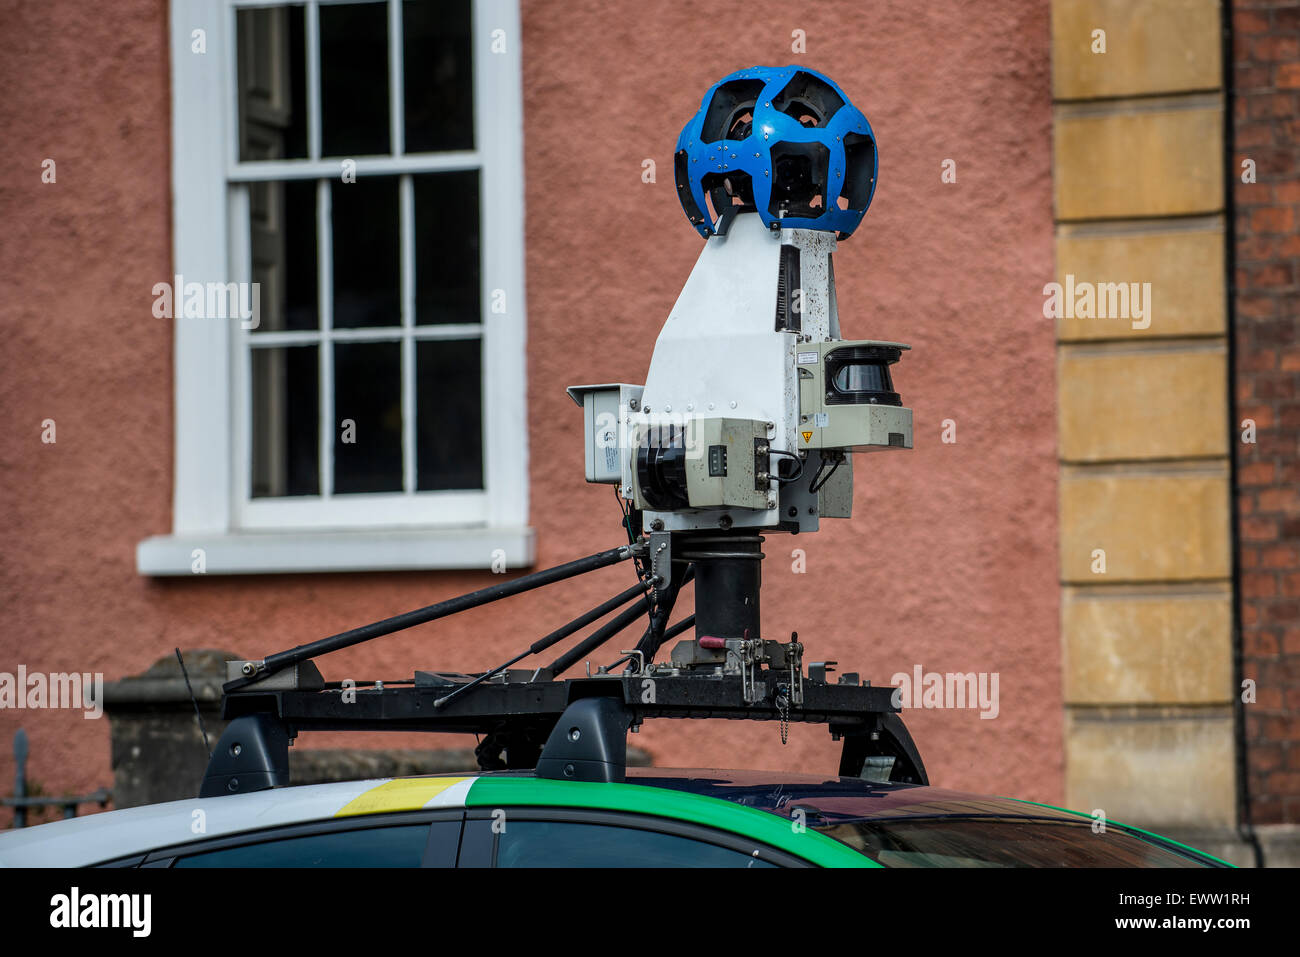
{"points": [[399, 794]]}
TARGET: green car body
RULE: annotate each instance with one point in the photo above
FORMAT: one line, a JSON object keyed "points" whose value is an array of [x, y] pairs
{"points": [[656, 818]]}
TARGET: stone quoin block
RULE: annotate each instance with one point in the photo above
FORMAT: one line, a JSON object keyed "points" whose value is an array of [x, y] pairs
{"points": [[1160, 647], [1185, 268], [1143, 405], [1138, 163], [1164, 770], [1152, 46], [1152, 526]]}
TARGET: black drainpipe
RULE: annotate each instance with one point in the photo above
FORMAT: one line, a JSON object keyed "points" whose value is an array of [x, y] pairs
{"points": [[1245, 824]]}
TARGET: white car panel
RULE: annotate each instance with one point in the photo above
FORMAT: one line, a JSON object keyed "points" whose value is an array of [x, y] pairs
{"points": [[102, 837]]}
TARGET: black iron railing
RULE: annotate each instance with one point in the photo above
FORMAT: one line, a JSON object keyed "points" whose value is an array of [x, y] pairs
{"points": [[21, 801]]}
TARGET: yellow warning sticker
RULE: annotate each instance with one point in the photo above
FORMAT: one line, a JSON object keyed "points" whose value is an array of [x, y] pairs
{"points": [[399, 794], [807, 436]]}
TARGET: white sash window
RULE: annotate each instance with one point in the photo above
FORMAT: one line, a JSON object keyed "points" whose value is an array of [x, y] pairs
{"points": [[356, 170]]}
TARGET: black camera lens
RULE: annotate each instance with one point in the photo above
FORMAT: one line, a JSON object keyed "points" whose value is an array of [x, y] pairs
{"points": [[661, 470], [859, 375]]}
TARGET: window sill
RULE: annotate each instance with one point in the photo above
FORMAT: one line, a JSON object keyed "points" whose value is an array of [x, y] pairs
{"points": [[272, 553]]}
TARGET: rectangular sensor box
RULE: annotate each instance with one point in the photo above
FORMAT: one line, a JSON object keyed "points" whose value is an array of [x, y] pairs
{"points": [[726, 463], [721, 463], [604, 409], [828, 420]]}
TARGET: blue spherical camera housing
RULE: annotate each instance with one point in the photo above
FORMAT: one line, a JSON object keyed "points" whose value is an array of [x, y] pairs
{"points": [[784, 141]]}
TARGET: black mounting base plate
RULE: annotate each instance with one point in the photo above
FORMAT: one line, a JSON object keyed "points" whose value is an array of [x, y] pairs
{"points": [[515, 717], [845, 708]]}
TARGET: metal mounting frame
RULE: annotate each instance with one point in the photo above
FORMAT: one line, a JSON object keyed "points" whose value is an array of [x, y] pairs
{"points": [[575, 728], [517, 719]]}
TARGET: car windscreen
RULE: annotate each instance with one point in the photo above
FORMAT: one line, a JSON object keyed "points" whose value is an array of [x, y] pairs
{"points": [[961, 841]]}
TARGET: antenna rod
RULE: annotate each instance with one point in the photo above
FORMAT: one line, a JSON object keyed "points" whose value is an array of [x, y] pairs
{"points": [[197, 713], [442, 609]]}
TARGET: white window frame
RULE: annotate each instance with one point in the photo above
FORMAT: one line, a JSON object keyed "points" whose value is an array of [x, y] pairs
{"points": [[211, 507]]}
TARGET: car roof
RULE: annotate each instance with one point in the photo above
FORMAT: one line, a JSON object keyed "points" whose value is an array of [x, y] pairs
{"points": [[837, 798], [97, 838], [102, 837]]}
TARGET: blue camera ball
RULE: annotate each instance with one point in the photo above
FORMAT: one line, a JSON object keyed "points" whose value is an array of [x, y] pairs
{"points": [[784, 141]]}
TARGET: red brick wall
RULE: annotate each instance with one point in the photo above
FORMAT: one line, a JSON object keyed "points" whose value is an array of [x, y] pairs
{"points": [[1266, 108]]}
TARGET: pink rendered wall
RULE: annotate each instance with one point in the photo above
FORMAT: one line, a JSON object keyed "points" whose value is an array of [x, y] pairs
{"points": [[950, 561]]}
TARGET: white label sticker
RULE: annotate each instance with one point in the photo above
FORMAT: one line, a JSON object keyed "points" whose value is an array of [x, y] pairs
{"points": [[821, 419], [807, 358]]}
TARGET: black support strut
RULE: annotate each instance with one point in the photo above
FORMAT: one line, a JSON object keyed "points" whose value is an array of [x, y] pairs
{"points": [[596, 639], [559, 634], [442, 609]]}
